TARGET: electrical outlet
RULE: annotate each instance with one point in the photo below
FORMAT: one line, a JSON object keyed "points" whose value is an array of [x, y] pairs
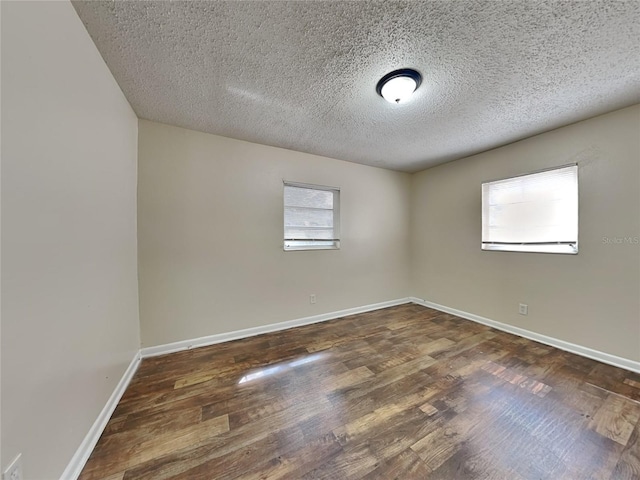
{"points": [[14, 471], [523, 309], [312, 298]]}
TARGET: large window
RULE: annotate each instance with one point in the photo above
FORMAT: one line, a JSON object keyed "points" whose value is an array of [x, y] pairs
{"points": [[532, 213], [311, 217]]}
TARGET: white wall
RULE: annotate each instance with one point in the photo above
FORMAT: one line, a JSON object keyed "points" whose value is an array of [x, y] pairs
{"points": [[591, 299], [69, 282], [210, 227]]}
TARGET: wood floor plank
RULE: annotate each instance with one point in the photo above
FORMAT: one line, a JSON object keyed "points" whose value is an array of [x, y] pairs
{"points": [[295, 464], [593, 453], [405, 392], [220, 456], [115, 476], [349, 379], [628, 467], [371, 421], [137, 430], [437, 447], [616, 418], [355, 463], [406, 464]]}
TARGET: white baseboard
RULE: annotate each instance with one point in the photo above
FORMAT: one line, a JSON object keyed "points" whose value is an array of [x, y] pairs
{"points": [[77, 463], [521, 332], [274, 327]]}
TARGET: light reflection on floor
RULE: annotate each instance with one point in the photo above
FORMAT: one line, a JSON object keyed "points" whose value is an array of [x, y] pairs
{"points": [[281, 367]]}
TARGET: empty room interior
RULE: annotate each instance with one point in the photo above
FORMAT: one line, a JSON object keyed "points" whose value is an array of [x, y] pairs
{"points": [[320, 240]]}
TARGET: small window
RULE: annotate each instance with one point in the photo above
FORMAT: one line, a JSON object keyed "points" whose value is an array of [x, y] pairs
{"points": [[311, 217], [532, 213]]}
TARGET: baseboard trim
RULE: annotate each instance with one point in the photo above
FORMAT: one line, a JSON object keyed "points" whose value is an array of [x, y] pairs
{"points": [[273, 327], [521, 332], [79, 459]]}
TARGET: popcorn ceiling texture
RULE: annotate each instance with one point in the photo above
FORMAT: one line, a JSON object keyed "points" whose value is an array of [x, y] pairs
{"points": [[302, 75]]}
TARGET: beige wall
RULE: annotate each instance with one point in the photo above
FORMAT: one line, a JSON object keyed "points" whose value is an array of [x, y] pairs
{"points": [[591, 299], [1, 463], [69, 282], [210, 236]]}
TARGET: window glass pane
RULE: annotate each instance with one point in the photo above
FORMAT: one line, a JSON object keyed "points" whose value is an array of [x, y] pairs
{"points": [[538, 208], [309, 233], [305, 217], [311, 219], [308, 197]]}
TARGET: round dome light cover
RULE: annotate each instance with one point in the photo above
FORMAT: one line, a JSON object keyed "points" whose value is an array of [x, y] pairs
{"points": [[399, 85]]}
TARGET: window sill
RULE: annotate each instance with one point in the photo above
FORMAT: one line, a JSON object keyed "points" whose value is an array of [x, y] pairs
{"points": [[557, 249], [295, 248]]}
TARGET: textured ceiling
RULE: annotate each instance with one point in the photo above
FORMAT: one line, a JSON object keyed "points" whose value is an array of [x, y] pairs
{"points": [[302, 75]]}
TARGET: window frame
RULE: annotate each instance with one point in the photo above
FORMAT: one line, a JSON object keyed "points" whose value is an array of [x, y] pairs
{"points": [[557, 247], [301, 246]]}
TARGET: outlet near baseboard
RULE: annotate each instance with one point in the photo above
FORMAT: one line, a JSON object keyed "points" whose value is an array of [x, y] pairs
{"points": [[523, 309]]}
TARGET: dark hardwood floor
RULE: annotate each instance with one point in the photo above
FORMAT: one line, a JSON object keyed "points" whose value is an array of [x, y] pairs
{"points": [[406, 392]]}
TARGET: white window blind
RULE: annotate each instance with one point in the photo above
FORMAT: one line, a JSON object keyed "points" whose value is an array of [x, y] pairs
{"points": [[311, 217], [532, 213]]}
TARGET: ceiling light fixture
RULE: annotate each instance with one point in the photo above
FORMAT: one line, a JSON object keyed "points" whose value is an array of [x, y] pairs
{"points": [[399, 85]]}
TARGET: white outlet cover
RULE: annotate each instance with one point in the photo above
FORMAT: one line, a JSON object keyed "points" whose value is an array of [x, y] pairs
{"points": [[14, 470]]}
